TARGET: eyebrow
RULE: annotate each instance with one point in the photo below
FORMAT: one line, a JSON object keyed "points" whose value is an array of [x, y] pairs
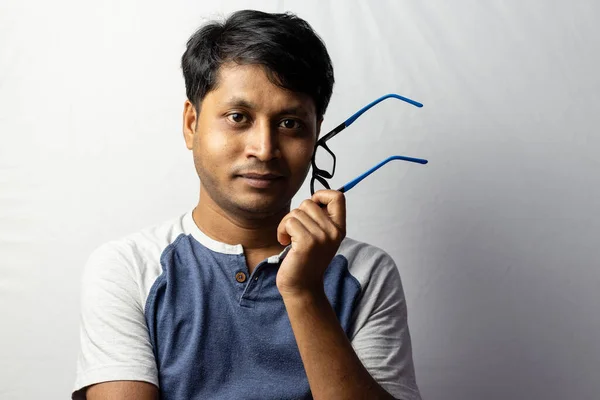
{"points": [[239, 102], [293, 110], [298, 110]]}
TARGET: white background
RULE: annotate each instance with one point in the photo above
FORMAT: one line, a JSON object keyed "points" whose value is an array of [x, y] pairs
{"points": [[497, 239]]}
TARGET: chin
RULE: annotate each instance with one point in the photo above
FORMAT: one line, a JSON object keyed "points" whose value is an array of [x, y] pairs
{"points": [[262, 207]]}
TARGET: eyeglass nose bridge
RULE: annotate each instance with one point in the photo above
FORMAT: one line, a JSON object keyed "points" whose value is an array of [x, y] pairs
{"points": [[321, 172]]}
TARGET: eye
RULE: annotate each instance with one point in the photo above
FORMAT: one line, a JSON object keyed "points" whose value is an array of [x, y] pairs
{"points": [[290, 124], [237, 118]]}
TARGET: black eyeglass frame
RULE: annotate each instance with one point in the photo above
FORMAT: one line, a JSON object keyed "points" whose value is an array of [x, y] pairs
{"points": [[322, 175]]}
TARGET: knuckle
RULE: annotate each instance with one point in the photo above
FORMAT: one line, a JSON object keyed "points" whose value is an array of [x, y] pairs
{"points": [[290, 222], [321, 237], [305, 203]]}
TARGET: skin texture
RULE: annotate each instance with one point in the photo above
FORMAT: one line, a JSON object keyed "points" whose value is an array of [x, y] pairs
{"points": [[249, 125], [121, 390]]}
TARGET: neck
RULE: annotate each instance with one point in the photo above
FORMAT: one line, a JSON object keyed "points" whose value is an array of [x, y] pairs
{"points": [[254, 234]]}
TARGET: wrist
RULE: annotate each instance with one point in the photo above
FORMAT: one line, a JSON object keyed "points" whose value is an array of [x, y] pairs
{"points": [[299, 296]]}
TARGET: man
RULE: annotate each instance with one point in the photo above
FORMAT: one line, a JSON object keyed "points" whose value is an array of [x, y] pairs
{"points": [[205, 306]]}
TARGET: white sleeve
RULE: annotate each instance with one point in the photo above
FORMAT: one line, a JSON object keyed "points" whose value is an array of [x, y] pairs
{"points": [[380, 333], [115, 344]]}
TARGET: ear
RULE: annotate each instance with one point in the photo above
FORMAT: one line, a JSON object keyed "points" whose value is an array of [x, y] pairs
{"points": [[190, 120]]}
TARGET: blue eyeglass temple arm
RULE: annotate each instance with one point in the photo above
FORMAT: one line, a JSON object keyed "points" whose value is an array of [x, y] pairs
{"points": [[356, 181], [360, 112]]}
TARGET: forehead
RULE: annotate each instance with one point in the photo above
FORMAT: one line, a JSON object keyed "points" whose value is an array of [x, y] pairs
{"points": [[250, 84]]}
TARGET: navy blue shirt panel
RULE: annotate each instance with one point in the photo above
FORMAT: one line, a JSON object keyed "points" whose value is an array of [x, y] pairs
{"points": [[214, 337]]}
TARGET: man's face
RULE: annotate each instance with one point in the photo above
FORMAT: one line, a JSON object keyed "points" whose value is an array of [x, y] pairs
{"points": [[252, 141]]}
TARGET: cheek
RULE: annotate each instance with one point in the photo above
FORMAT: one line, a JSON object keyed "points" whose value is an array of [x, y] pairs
{"points": [[299, 158], [213, 149], [305, 151]]}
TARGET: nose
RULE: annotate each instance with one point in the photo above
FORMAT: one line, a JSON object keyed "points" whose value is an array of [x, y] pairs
{"points": [[262, 142]]}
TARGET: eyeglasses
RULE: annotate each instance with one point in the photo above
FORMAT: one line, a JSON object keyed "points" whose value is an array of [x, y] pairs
{"points": [[327, 159]]}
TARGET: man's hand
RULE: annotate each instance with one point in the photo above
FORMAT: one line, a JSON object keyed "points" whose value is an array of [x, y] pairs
{"points": [[315, 230]]}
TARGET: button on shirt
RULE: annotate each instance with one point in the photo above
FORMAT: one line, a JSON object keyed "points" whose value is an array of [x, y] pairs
{"points": [[175, 308], [241, 277]]}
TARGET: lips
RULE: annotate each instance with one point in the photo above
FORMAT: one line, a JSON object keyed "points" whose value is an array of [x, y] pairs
{"points": [[261, 181], [269, 176]]}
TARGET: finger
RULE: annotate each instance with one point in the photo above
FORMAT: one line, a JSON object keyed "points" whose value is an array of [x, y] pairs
{"points": [[283, 236], [315, 230], [335, 203], [296, 231], [319, 215]]}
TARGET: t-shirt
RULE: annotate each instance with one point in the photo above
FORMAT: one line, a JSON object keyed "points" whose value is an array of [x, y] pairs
{"points": [[170, 306]]}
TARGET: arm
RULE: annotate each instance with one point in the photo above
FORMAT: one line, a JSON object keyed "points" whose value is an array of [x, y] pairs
{"points": [[333, 369], [380, 335], [115, 359], [122, 390]]}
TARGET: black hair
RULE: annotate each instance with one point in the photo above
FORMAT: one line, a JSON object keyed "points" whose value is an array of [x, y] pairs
{"points": [[293, 55]]}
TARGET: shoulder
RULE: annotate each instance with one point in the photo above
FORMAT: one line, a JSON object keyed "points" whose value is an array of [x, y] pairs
{"points": [[367, 262], [133, 260], [117, 279]]}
